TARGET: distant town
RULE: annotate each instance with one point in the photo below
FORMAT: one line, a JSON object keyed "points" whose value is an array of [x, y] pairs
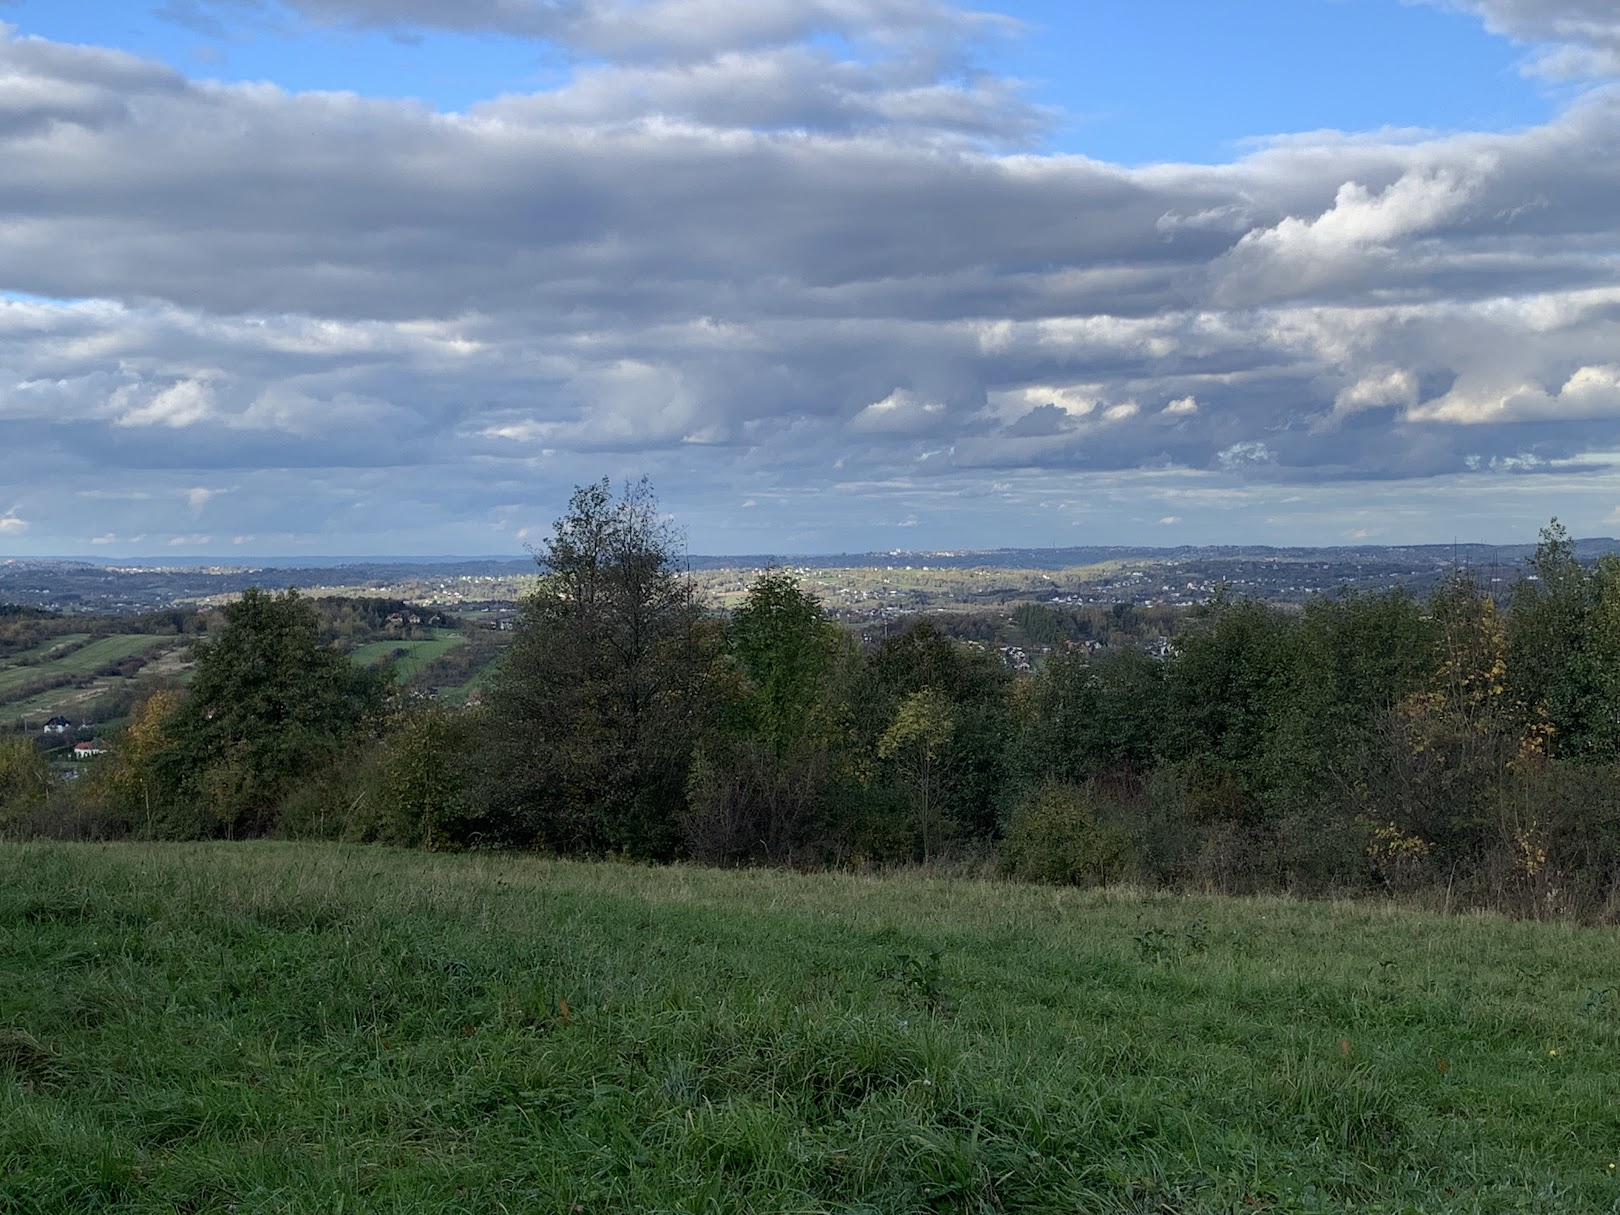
{"points": [[858, 588]]}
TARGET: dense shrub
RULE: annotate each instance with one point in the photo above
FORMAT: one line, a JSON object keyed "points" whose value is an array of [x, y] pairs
{"points": [[1055, 835], [24, 784]]}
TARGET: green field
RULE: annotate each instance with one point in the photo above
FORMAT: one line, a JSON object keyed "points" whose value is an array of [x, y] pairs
{"points": [[479, 679], [58, 642], [417, 653], [83, 661], [292, 1028]]}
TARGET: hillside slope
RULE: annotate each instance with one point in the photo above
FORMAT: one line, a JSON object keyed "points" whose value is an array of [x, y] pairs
{"points": [[288, 1028]]}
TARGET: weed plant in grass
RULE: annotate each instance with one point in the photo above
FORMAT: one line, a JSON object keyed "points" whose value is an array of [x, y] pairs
{"points": [[286, 1028]]}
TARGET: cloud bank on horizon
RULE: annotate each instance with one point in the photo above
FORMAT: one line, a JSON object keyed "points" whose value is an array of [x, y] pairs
{"points": [[805, 263]]}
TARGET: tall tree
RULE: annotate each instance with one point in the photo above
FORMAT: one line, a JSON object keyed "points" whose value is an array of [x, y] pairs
{"points": [[1563, 662], [791, 654], [268, 704], [602, 694], [763, 785], [918, 739], [971, 773]]}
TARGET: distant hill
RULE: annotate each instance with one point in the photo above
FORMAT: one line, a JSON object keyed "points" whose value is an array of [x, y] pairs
{"points": [[1465, 555], [128, 587]]}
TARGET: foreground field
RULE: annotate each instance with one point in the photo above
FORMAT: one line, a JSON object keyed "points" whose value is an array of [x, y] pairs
{"points": [[281, 1028]]}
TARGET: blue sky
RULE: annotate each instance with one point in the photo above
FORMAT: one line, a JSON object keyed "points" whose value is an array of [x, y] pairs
{"points": [[336, 276], [1133, 83]]}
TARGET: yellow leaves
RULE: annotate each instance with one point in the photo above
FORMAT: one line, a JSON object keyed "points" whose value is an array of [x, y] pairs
{"points": [[1389, 842], [1529, 856], [1535, 743], [148, 733], [1394, 854], [923, 724]]}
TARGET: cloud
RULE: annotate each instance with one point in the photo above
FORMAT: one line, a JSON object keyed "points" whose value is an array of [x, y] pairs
{"points": [[901, 412], [178, 405], [1358, 236], [1577, 38], [12, 524], [759, 252], [621, 29], [1248, 454], [1591, 392]]}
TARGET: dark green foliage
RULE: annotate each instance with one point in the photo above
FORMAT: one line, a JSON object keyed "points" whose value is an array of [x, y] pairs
{"points": [[793, 658], [1088, 716], [760, 786], [1224, 696], [1459, 747], [268, 706], [410, 786], [603, 695], [1055, 835], [971, 687], [1039, 624], [1563, 662]]}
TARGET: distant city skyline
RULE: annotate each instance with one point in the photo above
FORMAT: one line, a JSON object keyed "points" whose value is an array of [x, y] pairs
{"points": [[333, 276]]}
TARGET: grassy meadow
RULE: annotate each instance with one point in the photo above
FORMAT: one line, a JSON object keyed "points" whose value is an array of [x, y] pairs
{"points": [[288, 1028], [73, 671], [62, 641], [84, 660], [417, 654]]}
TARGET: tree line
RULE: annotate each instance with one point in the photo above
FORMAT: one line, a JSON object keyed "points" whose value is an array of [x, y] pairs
{"points": [[1453, 745]]}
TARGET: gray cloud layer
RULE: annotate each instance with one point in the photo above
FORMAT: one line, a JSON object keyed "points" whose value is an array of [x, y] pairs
{"points": [[726, 255]]}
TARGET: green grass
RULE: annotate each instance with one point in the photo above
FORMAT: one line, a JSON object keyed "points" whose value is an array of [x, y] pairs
{"points": [[291, 1028], [37, 709], [479, 679], [417, 653], [83, 661], [60, 641]]}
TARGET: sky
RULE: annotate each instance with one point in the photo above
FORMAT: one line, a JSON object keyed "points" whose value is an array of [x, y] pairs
{"points": [[317, 277]]}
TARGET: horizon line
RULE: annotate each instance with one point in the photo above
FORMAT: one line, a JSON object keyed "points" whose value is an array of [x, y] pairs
{"points": [[239, 560]]}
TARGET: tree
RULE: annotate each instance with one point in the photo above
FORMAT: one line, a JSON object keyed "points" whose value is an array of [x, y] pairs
{"points": [[422, 794], [601, 697], [918, 739], [25, 780], [135, 780], [1223, 696], [268, 704], [1435, 789], [790, 653], [972, 778], [1563, 664], [761, 785], [1093, 717]]}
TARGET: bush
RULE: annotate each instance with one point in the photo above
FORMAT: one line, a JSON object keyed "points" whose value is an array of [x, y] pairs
{"points": [[75, 811], [747, 803], [341, 801], [1055, 835], [25, 781]]}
